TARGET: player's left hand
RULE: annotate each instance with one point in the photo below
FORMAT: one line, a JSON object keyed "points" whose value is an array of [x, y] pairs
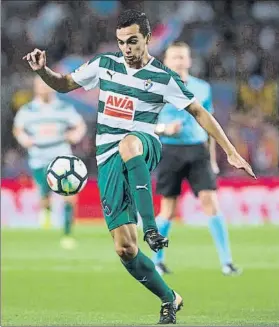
{"points": [[173, 128], [215, 167], [72, 137], [237, 161]]}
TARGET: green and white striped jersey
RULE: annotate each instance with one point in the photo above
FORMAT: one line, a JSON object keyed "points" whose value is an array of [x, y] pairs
{"points": [[47, 123], [130, 99]]}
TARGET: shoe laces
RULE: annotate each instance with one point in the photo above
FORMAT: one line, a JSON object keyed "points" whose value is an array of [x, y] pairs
{"points": [[151, 234], [165, 309]]}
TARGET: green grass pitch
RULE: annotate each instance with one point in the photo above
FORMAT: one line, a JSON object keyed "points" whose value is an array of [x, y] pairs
{"points": [[43, 285]]}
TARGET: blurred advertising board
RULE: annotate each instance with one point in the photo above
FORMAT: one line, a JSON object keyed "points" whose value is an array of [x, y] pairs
{"points": [[243, 201]]}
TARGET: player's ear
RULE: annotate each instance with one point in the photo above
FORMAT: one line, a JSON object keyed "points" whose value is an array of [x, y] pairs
{"points": [[148, 38]]}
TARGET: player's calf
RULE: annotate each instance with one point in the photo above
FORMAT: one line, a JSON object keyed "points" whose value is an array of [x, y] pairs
{"points": [[45, 212]]}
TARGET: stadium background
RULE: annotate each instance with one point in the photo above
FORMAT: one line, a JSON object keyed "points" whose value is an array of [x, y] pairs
{"points": [[235, 45]]}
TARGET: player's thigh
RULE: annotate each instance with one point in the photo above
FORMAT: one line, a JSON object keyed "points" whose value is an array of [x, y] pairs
{"points": [[151, 149], [39, 176], [125, 236], [201, 176], [169, 174], [117, 203]]}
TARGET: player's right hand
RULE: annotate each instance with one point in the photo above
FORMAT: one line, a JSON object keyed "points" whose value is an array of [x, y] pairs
{"points": [[36, 59]]}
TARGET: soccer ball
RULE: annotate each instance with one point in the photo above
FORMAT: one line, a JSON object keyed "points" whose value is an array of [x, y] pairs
{"points": [[66, 175]]}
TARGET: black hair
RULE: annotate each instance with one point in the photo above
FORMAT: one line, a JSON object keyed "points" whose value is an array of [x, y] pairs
{"points": [[130, 17]]}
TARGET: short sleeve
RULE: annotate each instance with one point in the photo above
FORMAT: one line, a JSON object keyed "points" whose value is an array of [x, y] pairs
{"points": [[177, 94], [21, 117], [87, 75], [73, 117], [208, 105]]}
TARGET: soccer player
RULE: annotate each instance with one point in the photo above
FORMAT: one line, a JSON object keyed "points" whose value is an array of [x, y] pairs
{"points": [[46, 127], [187, 154], [134, 87]]}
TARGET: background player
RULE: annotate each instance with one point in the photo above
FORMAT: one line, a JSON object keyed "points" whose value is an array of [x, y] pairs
{"points": [[133, 88], [46, 127], [188, 154]]}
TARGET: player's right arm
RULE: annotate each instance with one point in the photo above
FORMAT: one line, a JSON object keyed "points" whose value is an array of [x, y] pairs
{"points": [[19, 133], [87, 78], [60, 83]]}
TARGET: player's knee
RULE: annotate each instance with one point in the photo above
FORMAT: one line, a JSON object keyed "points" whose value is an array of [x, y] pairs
{"points": [[70, 199], [126, 251], [168, 214], [208, 201], [130, 147], [168, 208]]}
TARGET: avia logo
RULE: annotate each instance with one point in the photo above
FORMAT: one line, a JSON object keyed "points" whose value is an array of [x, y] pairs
{"points": [[148, 84], [120, 106]]}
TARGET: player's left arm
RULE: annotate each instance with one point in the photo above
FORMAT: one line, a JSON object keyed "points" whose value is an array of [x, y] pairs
{"points": [[182, 98], [208, 105], [213, 128], [77, 126]]}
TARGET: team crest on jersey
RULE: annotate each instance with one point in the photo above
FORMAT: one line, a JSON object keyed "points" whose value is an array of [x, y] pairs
{"points": [[120, 106], [148, 84]]}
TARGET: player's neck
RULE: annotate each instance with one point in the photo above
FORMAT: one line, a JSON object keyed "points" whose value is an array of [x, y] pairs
{"points": [[140, 64], [44, 100], [184, 76]]}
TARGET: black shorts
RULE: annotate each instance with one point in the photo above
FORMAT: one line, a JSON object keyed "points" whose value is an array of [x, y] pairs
{"points": [[191, 162]]}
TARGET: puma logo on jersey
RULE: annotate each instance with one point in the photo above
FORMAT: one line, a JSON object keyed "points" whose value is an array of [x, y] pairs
{"points": [[140, 187], [110, 74], [119, 106]]}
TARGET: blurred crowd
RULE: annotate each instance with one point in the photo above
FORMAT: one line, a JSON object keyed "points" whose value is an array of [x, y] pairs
{"points": [[234, 43]]}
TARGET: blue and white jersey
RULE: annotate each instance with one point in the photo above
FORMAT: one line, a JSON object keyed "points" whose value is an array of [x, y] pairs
{"points": [[191, 132], [47, 124]]}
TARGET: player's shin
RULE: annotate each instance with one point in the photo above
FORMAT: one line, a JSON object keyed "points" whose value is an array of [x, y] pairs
{"points": [[143, 270], [219, 232], [68, 218], [45, 217], [141, 189], [45, 213], [164, 226]]}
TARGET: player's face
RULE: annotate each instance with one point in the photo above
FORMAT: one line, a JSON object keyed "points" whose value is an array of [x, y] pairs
{"points": [[178, 59], [132, 44]]}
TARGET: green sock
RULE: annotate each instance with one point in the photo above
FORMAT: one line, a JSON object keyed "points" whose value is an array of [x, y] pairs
{"points": [[141, 190], [68, 218], [143, 270]]}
